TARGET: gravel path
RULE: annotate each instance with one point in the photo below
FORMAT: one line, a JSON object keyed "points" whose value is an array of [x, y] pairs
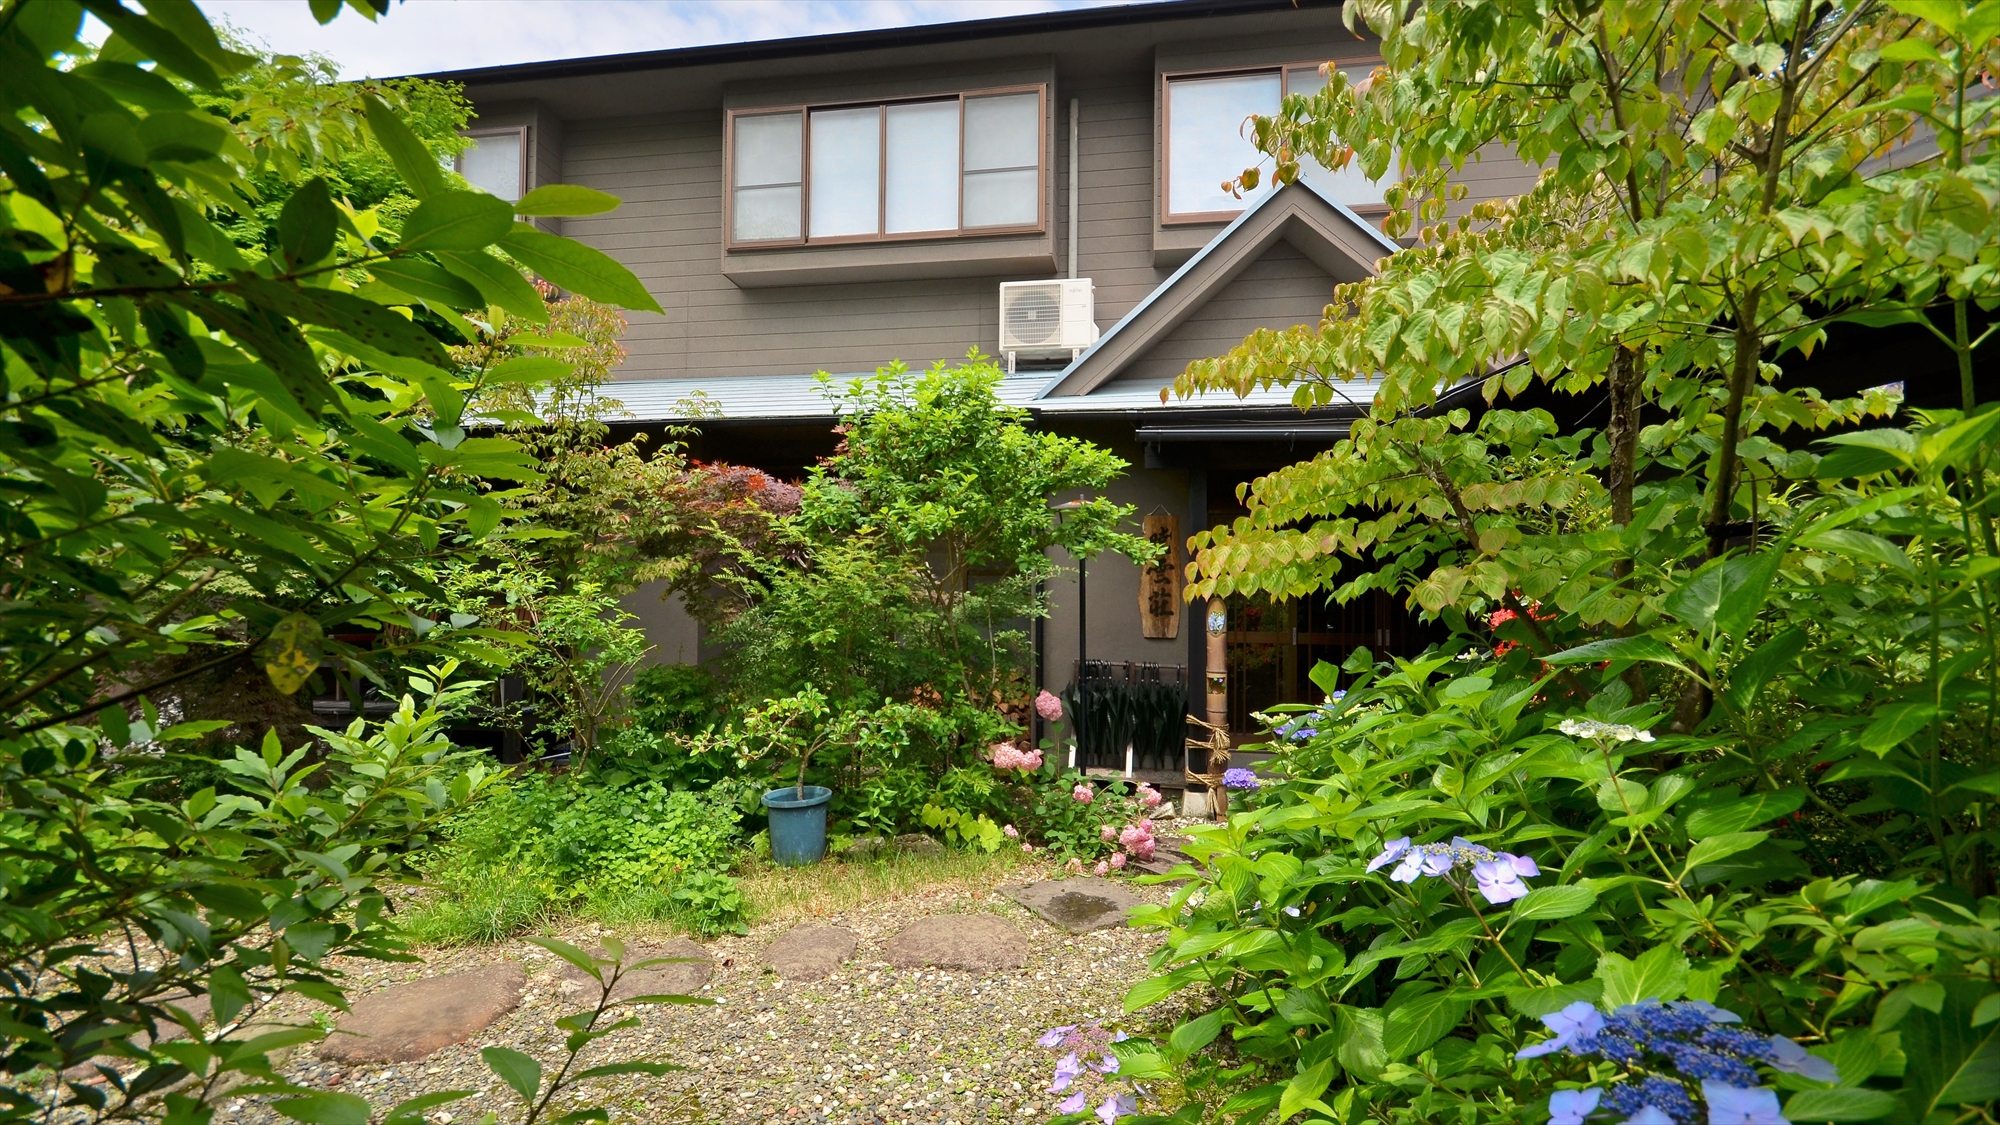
{"points": [[869, 1044]]}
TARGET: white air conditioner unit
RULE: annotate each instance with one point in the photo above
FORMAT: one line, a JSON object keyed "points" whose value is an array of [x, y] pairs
{"points": [[1046, 319]]}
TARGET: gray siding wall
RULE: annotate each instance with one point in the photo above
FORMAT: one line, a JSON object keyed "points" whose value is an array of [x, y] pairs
{"points": [[1278, 290]]}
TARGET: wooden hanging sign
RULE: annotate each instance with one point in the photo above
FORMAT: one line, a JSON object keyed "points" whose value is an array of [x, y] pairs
{"points": [[1160, 584]]}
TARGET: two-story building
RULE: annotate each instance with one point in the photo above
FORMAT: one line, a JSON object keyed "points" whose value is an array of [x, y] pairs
{"points": [[837, 202]]}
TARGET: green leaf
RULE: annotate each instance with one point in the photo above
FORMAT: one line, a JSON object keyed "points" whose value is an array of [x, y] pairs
{"points": [[291, 653], [411, 1112], [457, 220], [572, 954], [565, 199], [1421, 1021], [414, 162], [1303, 1091], [1725, 594], [1894, 724], [1648, 650], [1847, 1104], [498, 282], [1538, 1002], [428, 282], [1736, 816], [227, 992], [325, 1109], [1860, 545], [524, 1074], [583, 269], [1721, 846], [1951, 1062], [1196, 1033], [1760, 667], [1359, 1047], [1553, 902], [1660, 973], [307, 224], [117, 725]]}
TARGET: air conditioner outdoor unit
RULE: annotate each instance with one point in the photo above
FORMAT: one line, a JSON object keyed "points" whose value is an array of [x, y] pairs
{"points": [[1045, 319]]}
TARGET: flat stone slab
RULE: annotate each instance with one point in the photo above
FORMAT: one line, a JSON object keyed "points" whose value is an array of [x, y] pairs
{"points": [[1076, 905], [407, 1022], [810, 952], [681, 978], [958, 941]]}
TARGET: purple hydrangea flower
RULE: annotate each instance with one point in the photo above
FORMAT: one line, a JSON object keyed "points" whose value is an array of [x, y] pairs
{"points": [[1652, 1101], [1579, 1021], [1735, 1105], [1067, 1069], [1117, 1107], [1499, 880], [1649, 1115], [1238, 778], [1072, 1104], [1054, 1036], [1391, 852], [1706, 1010], [1107, 1065], [1570, 1107], [1793, 1059]]}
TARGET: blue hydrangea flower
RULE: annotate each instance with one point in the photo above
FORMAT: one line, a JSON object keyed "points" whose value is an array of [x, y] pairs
{"points": [[1649, 1115], [1668, 1100], [1735, 1105], [1391, 852], [1570, 1107], [1072, 1104], [1117, 1107], [1238, 778], [1499, 878], [1793, 1059], [1578, 1021], [1067, 1069], [1054, 1035]]}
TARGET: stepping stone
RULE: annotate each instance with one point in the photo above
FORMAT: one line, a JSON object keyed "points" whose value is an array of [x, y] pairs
{"points": [[1164, 859], [916, 843], [958, 941], [1077, 905], [682, 978], [195, 1006], [810, 952], [406, 1022]]}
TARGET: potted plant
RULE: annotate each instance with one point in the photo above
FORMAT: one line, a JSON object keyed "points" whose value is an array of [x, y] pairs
{"points": [[796, 727]]}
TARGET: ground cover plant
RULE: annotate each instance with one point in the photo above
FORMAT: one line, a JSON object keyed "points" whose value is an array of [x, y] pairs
{"points": [[236, 445], [1692, 819]]}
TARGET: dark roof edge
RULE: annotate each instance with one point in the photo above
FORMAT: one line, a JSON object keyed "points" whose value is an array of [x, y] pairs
{"points": [[850, 41]]}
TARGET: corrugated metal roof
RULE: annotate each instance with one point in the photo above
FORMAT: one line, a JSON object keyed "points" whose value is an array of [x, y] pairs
{"points": [[775, 397]]}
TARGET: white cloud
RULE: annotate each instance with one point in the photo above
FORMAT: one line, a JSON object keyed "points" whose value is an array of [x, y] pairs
{"points": [[422, 36]]}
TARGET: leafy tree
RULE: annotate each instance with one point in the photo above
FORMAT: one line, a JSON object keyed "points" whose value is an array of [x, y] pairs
{"points": [[920, 548], [219, 457], [1735, 694]]}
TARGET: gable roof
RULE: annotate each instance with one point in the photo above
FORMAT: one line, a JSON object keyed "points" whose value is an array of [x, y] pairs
{"points": [[1336, 239]]}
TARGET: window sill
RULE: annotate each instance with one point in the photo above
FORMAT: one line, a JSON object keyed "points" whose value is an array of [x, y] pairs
{"points": [[1016, 254]]}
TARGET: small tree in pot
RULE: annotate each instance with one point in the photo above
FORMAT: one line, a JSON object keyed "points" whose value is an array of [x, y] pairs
{"points": [[797, 727]]}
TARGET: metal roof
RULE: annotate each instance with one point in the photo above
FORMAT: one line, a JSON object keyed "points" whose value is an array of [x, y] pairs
{"points": [[920, 35]]}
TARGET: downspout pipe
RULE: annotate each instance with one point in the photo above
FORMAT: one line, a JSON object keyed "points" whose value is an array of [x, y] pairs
{"points": [[1074, 109]]}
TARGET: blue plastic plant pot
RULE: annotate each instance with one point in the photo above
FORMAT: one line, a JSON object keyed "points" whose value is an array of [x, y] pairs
{"points": [[798, 824]]}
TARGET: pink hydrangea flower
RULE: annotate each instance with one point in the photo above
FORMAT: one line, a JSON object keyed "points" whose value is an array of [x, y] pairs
{"points": [[1027, 849], [1107, 833], [1138, 839], [1011, 832], [1074, 867], [1101, 869], [1048, 707], [1083, 793], [1117, 860], [1149, 796]]}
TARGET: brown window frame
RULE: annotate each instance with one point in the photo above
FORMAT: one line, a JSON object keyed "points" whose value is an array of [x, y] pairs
{"points": [[1170, 218], [520, 131], [805, 111]]}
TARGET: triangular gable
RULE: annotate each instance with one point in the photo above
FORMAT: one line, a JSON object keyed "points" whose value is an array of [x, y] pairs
{"points": [[1332, 237]]}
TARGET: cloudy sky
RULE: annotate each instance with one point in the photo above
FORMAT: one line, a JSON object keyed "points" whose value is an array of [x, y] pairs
{"points": [[419, 36]]}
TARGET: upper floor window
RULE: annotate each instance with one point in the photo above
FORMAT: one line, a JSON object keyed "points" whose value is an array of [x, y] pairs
{"points": [[1208, 141], [496, 162], [967, 164]]}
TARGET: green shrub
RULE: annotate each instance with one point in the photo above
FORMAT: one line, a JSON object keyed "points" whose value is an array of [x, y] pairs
{"points": [[707, 902], [675, 699], [603, 844]]}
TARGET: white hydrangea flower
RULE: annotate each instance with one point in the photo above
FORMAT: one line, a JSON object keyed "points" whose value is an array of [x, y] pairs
{"points": [[1604, 732]]}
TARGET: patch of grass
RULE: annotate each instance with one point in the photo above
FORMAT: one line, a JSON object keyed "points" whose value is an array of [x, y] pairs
{"points": [[475, 905], [772, 893]]}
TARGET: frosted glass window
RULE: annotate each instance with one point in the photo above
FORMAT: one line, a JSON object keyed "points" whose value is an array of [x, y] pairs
{"points": [[1207, 142], [768, 157], [492, 163], [1348, 185], [922, 192], [846, 197], [1003, 160]]}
